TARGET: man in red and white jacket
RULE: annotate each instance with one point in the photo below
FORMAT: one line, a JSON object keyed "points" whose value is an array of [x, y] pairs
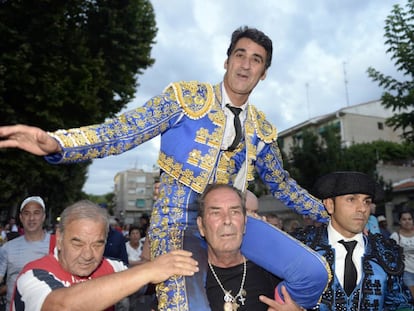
{"points": [[78, 277]]}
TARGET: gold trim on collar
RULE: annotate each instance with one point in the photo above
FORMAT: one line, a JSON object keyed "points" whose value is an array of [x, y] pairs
{"points": [[265, 131], [194, 97]]}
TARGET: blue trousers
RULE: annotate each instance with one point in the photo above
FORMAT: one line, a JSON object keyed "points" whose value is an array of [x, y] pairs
{"points": [[305, 273]]}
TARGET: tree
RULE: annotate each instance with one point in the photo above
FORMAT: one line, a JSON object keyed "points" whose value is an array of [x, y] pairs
{"points": [[364, 157], [332, 151], [65, 64], [306, 159], [313, 155], [399, 95]]}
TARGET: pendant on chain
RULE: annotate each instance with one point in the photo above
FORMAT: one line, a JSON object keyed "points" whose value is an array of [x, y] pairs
{"points": [[231, 306], [228, 297], [241, 296], [230, 301]]}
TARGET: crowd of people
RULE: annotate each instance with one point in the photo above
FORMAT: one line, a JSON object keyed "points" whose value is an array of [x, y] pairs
{"points": [[81, 250], [206, 247]]}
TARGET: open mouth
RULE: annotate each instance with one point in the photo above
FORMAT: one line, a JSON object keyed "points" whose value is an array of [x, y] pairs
{"points": [[227, 235]]}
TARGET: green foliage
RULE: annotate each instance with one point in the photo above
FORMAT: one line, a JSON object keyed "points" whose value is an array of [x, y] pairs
{"points": [[332, 157], [257, 186], [312, 157], [106, 200], [306, 159], [399, 95], [370, 153], [66, 64]]}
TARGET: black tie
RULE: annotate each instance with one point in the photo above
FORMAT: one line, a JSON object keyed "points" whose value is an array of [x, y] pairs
{"points": [[237, 125], [350, 272]]}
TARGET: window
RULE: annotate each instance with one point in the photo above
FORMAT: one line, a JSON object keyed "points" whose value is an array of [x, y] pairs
{"points": [[140, 179], [380, 125], [140, 203], [140, 190]]}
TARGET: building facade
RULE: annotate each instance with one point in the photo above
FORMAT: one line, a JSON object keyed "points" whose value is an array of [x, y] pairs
{"points": [[357, 124], [134, 194]]}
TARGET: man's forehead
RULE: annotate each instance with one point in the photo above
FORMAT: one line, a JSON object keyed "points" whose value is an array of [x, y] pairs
{"points": [[243, 43], [85, 237], [363, 195], [85, 225], [222, 206], [32, 206], [221, 201]]}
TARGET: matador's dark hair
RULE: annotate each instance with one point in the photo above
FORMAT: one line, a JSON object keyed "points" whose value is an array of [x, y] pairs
{"points": [[255, 35]]}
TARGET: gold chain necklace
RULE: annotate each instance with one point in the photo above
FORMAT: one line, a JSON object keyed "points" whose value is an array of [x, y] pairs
{"points": [[230, 301]]}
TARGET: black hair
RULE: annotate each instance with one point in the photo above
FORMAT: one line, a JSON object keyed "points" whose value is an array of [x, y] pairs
{"points": [[404, 211], [211, 187], [135, 227], [255, 35]]}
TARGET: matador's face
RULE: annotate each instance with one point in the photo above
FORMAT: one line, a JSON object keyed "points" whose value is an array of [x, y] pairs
{"points": [[245, 67]]}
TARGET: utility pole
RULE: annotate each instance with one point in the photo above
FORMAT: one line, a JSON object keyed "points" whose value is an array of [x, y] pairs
{"points": [[346, 85], [307, 98]]}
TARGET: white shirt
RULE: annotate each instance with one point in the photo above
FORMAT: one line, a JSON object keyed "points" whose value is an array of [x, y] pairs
{"points": [[230, 131], [340, 253], [134, 254], [407, 243], [15, 254]]}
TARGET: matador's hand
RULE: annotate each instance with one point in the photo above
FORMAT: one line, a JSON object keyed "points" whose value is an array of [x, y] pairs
{"points": [[28, 138]]}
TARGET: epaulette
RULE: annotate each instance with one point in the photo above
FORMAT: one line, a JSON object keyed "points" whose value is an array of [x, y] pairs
{"points": [[195, 98], [387, 253], [264, 129], [310, 235]]}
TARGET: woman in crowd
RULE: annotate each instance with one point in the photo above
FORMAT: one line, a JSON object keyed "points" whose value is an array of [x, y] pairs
{"points": [[405, 238]]}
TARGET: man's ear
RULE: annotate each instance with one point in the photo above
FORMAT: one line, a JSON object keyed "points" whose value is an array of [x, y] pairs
{"points": [[263, 75], [225, 63], [200, 226], [329, 205], [58, 240]]}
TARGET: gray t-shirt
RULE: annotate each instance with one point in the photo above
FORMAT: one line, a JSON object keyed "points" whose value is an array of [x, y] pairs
{"points": [[15, 254]]}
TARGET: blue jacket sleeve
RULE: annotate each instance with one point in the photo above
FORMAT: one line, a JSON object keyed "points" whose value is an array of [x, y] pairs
{"points": [[116, 135], [304, 272], [269, 165], [399, 297]]}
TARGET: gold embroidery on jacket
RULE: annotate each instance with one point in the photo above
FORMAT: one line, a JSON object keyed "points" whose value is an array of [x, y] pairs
{"points": [[195, 98], [225, 166], [265, 130]]}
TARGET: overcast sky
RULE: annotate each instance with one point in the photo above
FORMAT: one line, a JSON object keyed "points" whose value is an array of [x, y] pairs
{"points": [[318, 45]]}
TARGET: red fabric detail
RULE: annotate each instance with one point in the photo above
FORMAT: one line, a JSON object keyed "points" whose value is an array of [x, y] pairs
{"points": [[278, 298], [52, 243], [49, 263]]}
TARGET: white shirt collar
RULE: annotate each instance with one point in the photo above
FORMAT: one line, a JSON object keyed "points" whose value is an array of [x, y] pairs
{"points": [[334, 236], [226, 100]]}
